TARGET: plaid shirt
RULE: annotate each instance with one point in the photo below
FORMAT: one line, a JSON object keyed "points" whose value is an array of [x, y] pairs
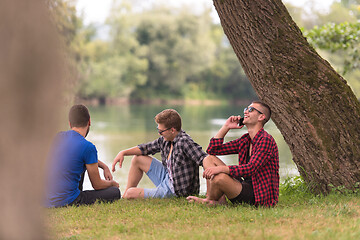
{"points": [[263, 166], [186, 157]]}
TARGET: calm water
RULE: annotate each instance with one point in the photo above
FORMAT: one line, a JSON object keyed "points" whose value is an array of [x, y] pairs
{"points": [[115, 128]]}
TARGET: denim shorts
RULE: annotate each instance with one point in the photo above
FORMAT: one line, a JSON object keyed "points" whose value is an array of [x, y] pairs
{"points": [[159, 175]]}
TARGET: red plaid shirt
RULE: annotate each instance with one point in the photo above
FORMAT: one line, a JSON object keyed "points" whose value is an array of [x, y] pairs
{"points": [[263, 166]]}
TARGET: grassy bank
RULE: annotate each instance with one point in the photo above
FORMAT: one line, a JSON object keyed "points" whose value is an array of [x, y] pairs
{"points": [[299, 215]]}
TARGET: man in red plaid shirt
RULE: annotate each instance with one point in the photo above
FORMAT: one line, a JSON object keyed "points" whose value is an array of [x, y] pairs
{"points": [[256, 179]]}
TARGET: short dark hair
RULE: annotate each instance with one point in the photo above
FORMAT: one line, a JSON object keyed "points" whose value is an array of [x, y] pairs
{"points": [[265, 109], [79, 116], [170, 118]]}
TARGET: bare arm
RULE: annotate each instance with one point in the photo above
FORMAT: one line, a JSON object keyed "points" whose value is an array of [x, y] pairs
{"points": [[96, 182], [107, 173], [210, 172], [128, 152], [231, 123]]}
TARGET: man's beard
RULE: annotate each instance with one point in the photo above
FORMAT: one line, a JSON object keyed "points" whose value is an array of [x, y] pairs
{"points": [[87, 131]]}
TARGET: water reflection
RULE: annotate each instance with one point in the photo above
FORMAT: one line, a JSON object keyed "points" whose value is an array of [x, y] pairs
{"points": [[115, 128]]}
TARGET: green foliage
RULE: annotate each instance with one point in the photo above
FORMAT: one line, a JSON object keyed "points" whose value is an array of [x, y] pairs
{"points": [[344, 190], [177, 46], [296, 190], [159, 52], [335, 36], [225, 77], [295, 185], [343, 37]]}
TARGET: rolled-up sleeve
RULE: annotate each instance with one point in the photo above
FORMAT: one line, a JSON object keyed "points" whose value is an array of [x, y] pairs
{"points": [[217, 147]]}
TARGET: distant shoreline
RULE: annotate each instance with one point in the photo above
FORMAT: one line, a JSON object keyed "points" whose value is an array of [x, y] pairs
{"points": [[126, 101]]}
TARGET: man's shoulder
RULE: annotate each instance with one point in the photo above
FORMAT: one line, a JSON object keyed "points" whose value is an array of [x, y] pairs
{"points": [[68, 134], [63, 137], [183, 134], [72, 137], [245, 136], [62, 134], [184, 137], [265, 136]]}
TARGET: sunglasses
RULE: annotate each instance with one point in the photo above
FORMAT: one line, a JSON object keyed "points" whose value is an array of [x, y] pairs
{"points": [[161, 131], [250, 109]]}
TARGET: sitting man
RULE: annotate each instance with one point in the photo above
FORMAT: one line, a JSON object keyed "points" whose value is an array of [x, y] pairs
{"points": [[256, 179], [177, 174], [71, 155]]}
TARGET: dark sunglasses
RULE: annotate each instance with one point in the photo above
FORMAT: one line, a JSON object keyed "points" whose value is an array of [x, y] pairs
{"points": [[250, 109], [161, 131]]}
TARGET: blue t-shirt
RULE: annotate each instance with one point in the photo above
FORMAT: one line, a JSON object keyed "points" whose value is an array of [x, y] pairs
{"points": [[70, 153]]}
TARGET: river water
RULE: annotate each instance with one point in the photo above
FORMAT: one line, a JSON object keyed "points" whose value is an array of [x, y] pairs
{"points": [[114, 128]]}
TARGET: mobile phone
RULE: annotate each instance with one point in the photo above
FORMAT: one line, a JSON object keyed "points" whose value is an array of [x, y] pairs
{"points": [[241, 121]]}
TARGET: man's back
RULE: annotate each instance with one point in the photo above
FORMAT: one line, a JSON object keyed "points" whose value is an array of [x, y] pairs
{"points": [[70, 153]]}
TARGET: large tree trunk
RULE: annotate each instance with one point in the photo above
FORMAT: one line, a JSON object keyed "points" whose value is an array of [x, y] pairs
{"points": [[30, 74], [313, 107]]}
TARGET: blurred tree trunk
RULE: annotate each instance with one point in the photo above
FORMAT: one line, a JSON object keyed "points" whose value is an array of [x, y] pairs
{"points": [[313, 107], [30, 76]]}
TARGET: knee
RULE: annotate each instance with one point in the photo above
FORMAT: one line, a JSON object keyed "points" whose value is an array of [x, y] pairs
{"points": [[208, 161], [136, 160], [219, 179], [141, 162], [115, 192]]}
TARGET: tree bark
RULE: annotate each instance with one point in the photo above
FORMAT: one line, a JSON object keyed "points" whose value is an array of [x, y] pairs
{"points": [[313, 107], [30, 76]]}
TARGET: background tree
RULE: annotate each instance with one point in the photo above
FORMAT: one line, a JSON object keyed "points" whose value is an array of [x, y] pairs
{"points": [[177, 45], [156, 52], [224, 78], [187, 55], [314, 108]]}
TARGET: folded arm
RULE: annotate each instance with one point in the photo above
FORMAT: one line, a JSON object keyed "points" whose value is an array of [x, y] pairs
{"points": [[105, 168], [94, 176], [259, 158]]}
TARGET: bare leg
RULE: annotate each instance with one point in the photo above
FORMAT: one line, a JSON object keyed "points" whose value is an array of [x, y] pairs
{"points": [[211, 161], [139, 165], [221, 185], [221, 201]]}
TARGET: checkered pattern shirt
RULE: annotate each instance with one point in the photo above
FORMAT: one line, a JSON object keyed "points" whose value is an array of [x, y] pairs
{"points": [[263, 166], [186, 157]]}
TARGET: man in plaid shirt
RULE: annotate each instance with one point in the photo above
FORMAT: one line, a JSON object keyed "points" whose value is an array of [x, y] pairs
{"points": [[178, 172], [256, 179]]}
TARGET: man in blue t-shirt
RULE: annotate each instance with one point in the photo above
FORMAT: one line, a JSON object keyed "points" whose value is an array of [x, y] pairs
{"points": [[71, 156]]}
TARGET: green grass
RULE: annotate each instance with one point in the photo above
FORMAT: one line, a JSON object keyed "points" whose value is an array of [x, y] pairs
{"points": [[298, 215]]}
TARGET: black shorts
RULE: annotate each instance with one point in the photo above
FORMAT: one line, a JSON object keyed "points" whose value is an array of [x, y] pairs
{"points": [[246, 195]]}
